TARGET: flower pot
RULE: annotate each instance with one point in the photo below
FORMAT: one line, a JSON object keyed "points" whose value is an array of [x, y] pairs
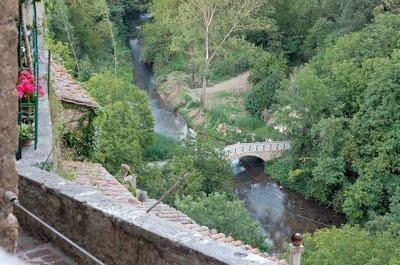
{"points": [[27, 142], [28, 109]]}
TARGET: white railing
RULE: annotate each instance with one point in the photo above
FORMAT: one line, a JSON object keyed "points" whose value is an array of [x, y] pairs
{"points": [[256, 147]]}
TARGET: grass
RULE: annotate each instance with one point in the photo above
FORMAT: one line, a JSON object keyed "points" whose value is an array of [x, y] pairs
{"points": [[162, 148], [248, 122]]}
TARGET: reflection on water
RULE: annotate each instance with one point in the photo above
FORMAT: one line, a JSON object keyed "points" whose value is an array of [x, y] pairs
{"points": [[165, 121], [279, 211]]}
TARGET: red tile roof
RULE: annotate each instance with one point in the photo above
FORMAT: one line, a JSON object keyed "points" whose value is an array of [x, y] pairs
{"points": [[96, 176], [68, 90]]}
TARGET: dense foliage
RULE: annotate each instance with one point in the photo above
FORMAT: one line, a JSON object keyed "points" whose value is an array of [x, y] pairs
{"points": [[351, 246], [269, 70], [325, 71], [209, 171], [83, 36], [342, 113], [163, 148], [117, 143], [235, 220]]}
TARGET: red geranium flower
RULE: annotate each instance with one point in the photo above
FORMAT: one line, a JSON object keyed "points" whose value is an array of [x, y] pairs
{"points": [[26, 85]]}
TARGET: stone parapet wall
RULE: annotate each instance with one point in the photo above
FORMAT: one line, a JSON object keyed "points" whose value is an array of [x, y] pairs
{"points": [[116, 232]]}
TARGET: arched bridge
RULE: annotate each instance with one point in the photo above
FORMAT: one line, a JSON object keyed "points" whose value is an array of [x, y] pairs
{"points": [[264, 150]]}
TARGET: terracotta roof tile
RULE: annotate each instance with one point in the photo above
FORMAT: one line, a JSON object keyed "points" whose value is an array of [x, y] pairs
{"points": [[96, 176], [68, 90]]}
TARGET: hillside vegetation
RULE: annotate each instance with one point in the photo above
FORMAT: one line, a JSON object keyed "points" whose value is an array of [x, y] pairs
{"points": [[327, 72]]}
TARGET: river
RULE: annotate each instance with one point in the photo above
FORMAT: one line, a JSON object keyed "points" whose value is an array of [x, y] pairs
{"points": [[165, 120], [280, 212]]}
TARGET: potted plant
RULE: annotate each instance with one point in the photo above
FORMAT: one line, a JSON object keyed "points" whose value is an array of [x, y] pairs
{"points": [[26, 134], [26, 90]]}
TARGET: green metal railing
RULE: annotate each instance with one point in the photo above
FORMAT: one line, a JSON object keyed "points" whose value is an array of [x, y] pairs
{"points": [[29, 110], [48, 73], [36, 69]]}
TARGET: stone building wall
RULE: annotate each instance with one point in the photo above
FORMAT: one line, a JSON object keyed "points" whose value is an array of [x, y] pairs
{"points": [[8, 118]]}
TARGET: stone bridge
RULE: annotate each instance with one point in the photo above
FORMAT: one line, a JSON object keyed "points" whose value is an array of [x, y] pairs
{"points": [[263, 150]]}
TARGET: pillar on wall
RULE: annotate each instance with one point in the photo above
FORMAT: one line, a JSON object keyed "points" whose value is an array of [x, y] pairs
{"points": [[8, 120]]}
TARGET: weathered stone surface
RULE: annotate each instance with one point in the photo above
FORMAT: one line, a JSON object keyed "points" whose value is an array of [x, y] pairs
{"points": [[8, 119], [117, 232]]}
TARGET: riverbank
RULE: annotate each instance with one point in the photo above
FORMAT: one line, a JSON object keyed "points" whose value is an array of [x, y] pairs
{"points": [[225, 118], [279, 211]]}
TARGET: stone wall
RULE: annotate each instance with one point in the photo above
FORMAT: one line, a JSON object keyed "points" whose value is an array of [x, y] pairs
{"points": [[75, 109], [116, 232], [8, 118]]}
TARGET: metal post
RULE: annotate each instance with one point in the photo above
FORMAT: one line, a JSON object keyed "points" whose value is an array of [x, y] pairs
{"points": [[19, 37], [296, 248], [36, 70], [48, 73]]}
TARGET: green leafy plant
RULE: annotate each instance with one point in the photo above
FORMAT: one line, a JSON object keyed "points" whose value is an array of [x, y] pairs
{"points": [[226, 215], [351, 246], [26, 131]]}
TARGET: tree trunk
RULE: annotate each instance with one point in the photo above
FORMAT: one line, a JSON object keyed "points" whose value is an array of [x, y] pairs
{"points": [[192, 71], [205, 73], [204, 89], [28, 53]]}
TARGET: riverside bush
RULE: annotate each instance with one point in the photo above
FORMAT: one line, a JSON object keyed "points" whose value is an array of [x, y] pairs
{"points": [[351, 246], [225, 214], [161, 149], [118, 136]]}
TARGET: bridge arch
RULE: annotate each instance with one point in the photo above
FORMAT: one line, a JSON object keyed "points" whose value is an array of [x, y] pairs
{"points": [[264, 150]]}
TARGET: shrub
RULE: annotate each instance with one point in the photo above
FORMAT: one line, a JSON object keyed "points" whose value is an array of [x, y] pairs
{"points": [[161, 149], [219, 114], [235, 220], [351, 246], [267, 73], [118, 137], [209, 171], [266, 132], [108, 89], [248, 122]]}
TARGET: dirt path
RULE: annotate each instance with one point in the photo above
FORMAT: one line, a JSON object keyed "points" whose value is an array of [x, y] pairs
{"points": [[238, 83]]}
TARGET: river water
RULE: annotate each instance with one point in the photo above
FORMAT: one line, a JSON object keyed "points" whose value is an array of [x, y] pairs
{"points": [[279, 211], [165, 120]]}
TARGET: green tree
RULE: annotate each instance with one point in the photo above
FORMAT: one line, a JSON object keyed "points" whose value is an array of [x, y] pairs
{"points": [[356, 14], [91, 27], [268, 71], [323, 33], [108, 89], [350, 246], [235, 220], [204, 27], [375, 142], [118, 137], [209, 171], [294, 19], [157, 35], [341, 112]]}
